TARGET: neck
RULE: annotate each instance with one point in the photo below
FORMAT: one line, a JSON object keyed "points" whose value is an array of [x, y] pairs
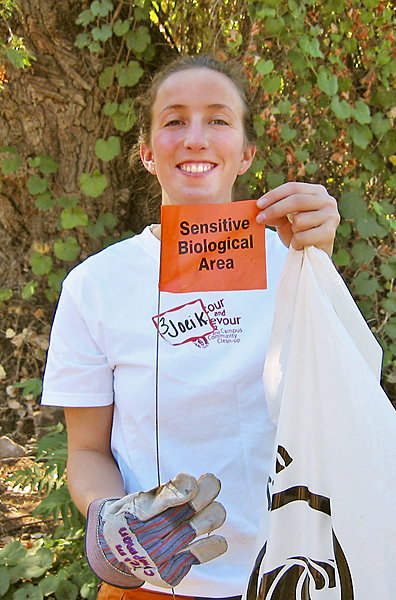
{"points": [[157, 232]]}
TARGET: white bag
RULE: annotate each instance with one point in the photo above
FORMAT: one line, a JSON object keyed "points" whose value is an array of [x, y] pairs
{"points": [[329, 530]]}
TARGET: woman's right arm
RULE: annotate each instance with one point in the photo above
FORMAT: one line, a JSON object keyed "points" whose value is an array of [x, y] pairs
{"points": [[91, 469]]}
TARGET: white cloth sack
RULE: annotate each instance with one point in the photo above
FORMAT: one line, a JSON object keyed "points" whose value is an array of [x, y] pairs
{"points": [[328, 530]]}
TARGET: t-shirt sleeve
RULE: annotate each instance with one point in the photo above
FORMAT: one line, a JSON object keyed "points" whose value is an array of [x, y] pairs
{"points": [[77, 373]]}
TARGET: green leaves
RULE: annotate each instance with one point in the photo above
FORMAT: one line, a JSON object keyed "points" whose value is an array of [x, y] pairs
{"points": [[361, 112], [73, 217], [66, 590], [45, 164], [32, 386], [105, 220], [361, 135], [128, 75], [41, 264], [341, 109], [4, 581], [101, 8], [271, 84], [102, 33], [28, 591], [93, 185], [310, 46], [264, 67], [37, 185], [52, 566], [363, 252], [365, 284], [287, 133], [327, 82], [67, 250], [107, 150], [138, 40], [11, 165], [121, 27], [380, 125], [12, 553], [5, 294], [34, 566]]}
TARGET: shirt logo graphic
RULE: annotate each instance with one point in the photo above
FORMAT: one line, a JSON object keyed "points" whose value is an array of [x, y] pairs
{"points": [[187, 323]]}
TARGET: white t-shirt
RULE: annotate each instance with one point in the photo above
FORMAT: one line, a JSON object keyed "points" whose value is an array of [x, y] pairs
{"points": [[212, 415]]}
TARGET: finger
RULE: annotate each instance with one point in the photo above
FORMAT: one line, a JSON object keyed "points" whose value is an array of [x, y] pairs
{"points": [[197, 552], [208, 489], [208, 548], [302, 221], [276, 214], [175, 569], [179, 490], [322, 237], [293, 197], [167, 522], [209, 518], [291, 188], [175, 528]]}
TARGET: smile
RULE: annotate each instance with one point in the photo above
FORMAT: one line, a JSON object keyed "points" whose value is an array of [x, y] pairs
{"points": [[197, 168]]}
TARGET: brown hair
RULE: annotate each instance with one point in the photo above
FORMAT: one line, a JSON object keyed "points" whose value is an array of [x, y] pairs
{"points": [[229, 68]]}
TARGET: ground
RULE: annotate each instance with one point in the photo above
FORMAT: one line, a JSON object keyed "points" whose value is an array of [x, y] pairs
{"points": [[24, 330], [16, 520]]}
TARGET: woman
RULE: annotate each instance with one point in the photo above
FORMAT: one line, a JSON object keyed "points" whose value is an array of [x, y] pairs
{"points": [[136, 413]]}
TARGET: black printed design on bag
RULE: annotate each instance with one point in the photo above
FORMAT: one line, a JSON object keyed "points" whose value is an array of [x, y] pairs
{"points": [[301, 577], [283, 459]]}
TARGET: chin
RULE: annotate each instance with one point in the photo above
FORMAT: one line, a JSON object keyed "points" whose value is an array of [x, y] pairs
{"points": [[203, 199]]}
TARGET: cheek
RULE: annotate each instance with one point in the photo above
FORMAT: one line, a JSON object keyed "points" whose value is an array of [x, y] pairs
{"points": [[163, 143]]}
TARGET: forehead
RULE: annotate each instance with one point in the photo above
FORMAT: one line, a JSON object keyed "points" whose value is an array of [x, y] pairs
{"points": [[198, 86]]}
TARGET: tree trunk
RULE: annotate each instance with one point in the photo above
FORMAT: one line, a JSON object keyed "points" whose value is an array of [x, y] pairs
{"points": [[54, 108]]}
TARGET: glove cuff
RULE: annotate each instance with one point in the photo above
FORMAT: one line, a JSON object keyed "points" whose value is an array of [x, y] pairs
{"points": [[104, 564]]}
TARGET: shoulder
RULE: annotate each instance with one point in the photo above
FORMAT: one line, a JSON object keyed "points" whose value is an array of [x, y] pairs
{"points": [[112, 261]]}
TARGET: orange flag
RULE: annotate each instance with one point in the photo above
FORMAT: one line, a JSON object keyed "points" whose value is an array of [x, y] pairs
{"points": [[207, 247]]}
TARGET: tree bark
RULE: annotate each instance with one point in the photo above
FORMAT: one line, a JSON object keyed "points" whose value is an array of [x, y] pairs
{"points": [[54, 107]]}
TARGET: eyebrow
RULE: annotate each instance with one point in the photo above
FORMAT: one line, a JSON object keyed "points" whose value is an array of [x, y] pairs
{"points": [[216, 105]]}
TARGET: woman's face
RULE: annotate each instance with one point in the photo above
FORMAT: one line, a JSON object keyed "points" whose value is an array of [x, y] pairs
{"points": [[197, 145]]}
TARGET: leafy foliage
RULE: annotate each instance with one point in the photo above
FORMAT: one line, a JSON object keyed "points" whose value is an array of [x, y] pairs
{"points": [[322, 78], [322, 83], [53, 567], [12, 47], [47, 477]]}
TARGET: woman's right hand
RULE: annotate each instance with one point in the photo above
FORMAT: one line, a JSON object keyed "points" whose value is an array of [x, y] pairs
{"points": [[152, 536]]}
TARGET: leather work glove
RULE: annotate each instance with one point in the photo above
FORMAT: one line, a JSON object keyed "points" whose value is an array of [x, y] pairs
{"points": [[152, 536]]}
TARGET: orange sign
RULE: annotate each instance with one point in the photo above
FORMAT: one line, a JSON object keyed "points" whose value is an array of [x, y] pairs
{"points": [[207, 247]]}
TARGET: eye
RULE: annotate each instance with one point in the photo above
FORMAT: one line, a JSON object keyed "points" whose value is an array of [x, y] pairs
{"points": [[173, 123], [219, 122]]}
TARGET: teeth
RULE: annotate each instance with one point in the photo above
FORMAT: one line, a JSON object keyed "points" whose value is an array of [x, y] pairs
{"points": [[195, 168]]}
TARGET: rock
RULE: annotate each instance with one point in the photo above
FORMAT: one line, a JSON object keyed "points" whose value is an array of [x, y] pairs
{"points": [[9, 449]]}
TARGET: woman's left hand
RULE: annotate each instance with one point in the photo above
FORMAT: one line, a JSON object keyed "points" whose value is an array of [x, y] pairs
{"points": [[304, 214]]}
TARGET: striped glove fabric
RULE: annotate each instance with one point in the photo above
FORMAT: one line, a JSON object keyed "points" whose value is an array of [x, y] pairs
{"points": [[154, 536]]}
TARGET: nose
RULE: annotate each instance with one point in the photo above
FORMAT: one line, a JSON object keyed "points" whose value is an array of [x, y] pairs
{"points": [[196, 135]]}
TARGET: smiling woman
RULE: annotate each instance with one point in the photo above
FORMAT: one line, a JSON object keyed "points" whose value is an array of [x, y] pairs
{"points": [[130, 372], [197, 144]]}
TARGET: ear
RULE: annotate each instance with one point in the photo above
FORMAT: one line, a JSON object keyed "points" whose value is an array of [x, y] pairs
{"points": [[249, 152], [147, 158]]}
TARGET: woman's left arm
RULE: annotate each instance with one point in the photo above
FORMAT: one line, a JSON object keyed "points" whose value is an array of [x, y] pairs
{"points": [[304, 214]]}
